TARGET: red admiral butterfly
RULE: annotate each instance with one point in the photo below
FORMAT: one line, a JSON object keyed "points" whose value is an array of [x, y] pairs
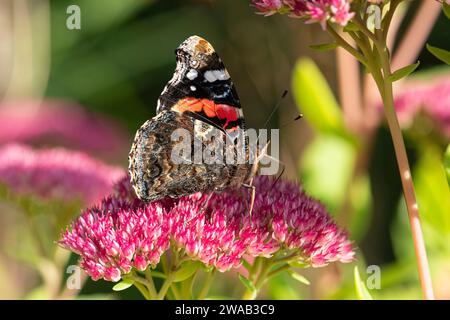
{"points": [[199, 99]]}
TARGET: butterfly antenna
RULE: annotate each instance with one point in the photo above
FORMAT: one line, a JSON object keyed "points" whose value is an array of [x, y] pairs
{"points": [[280, 162], [300, 116], [275, 108]]}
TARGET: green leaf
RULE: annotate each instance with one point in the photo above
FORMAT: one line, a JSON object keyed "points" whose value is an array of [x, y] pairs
{"points": [[326, 168], [403, 72], [95, 296], [39, 293], [281, 287], [433, 192], [361, 290], [439, 53], [123, 285], [114, 12], [446, 8], [299, 277], [249, 285], [218, 298], [324, 46], [361, 204], [186, 270], [315, 99], [447, 163], [351, 27]]}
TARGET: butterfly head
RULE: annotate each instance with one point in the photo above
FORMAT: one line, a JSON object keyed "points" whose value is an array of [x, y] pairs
{"points": [[197, 53]]}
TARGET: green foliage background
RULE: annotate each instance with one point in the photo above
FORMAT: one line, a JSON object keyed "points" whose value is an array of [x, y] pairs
{"points": [[120, 60]]}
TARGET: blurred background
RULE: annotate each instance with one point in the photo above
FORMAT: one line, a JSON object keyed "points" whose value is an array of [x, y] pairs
{"points": [[88, 90]]}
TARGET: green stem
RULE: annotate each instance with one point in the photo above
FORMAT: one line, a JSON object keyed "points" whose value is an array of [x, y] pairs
{"points": [[206, 285], [289, 258], [142, 290], [166, 285], [263, 275], [405, 175], [187, 286], [364, 29], [363, 45], [144, 285], [170, 270], [388, 18], [165, 263], [258, 279], [379, 65], [248, 295], [175, 291], [150, 284], [256, 268], [278, 270], [341, 41]]}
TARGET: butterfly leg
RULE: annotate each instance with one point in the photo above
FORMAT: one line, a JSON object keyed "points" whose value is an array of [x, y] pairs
{"points": [[252, 200]]}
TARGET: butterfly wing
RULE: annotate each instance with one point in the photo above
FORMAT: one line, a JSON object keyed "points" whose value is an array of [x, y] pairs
{"points": [[158, 170], [202, 86], [201, 100]]}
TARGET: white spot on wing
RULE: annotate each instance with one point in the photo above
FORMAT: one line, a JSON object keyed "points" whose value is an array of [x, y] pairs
{"points": [[192, 74], [213, 75], [221, 74], [193, 88], [210, 76]]}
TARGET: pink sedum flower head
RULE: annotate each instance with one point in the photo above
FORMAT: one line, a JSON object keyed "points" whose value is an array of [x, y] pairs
{"points": [[268, 7], [431, 98], [56, 173], [61, 123], [340, 10], [321, 11], [436, 102], [124, 233]]}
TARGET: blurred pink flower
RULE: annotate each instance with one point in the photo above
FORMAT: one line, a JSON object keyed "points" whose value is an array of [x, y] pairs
{"points": [[123, 232], [61, 123], [428, 97], [268, 7], [436, 102], [56, 173], [337, 11]]}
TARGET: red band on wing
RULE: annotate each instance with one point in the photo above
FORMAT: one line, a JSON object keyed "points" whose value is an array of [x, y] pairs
{"points": [[209, 108]]}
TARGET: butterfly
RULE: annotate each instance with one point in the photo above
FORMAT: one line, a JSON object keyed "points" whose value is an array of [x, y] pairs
{"points": [[198, 108]]}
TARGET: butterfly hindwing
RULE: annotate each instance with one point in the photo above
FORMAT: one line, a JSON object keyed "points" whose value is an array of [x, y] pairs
{"points": [[156, 174]]}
